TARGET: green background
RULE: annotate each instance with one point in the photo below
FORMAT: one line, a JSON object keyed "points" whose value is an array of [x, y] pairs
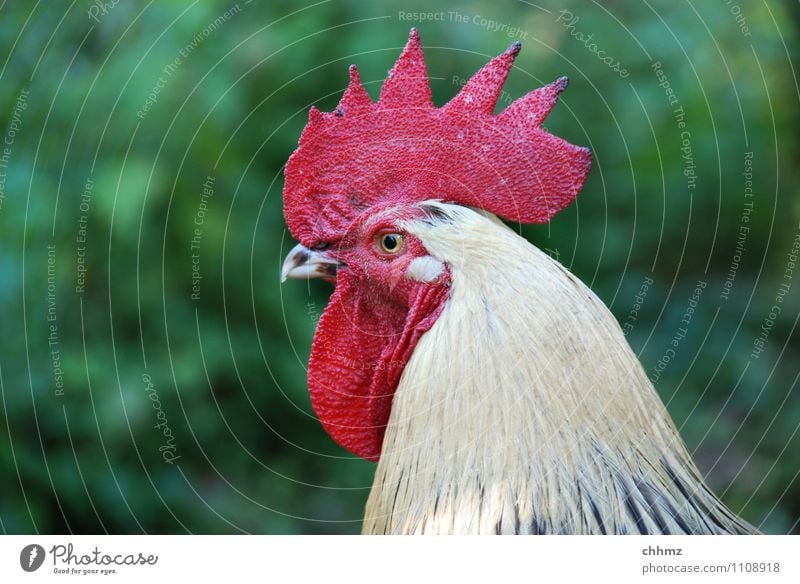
{"points": [[228, 369]]}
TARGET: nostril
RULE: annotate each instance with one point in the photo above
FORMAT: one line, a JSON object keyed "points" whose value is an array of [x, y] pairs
{"points": [[301, 257]]}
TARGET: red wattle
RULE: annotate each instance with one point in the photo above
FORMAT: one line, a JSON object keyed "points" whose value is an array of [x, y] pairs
{"points": [[360, 349]]}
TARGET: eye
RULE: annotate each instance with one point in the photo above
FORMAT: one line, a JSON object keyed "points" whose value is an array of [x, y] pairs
{"points": [[391, 242]]}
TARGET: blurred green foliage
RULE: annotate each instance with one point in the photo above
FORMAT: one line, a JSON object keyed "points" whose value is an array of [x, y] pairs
{"points": [[139, 103]]}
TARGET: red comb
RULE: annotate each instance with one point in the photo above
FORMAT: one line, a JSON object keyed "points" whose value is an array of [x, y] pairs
{"points": [[403, 149]]}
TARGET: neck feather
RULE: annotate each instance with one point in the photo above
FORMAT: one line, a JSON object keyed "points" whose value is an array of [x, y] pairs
{"points": [[524, 410]]}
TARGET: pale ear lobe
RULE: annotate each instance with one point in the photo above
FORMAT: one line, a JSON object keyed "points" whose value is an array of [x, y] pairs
{"points": [[425, 269]]}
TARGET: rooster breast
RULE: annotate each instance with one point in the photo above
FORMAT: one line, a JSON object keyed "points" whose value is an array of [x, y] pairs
{"points": [[524, 410]]}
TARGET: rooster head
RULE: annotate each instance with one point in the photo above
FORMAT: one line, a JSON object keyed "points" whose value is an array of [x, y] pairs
{"points": [[363, 172]]}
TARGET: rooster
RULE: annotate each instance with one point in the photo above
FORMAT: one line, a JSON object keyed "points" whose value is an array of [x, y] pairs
{"points": [[495, 391]]}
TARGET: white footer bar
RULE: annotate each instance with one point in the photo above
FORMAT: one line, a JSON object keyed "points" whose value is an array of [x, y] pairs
{"points": [[406, 560]]}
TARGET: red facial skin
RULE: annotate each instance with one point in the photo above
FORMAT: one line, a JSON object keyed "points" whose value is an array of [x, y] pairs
{"points": [[369, 330]]}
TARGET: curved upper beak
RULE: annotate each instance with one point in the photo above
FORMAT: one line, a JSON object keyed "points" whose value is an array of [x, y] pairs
{"points": [[305, 263]]}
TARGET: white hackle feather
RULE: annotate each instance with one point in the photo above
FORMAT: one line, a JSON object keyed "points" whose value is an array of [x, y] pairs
{"points": [[524, 409]]}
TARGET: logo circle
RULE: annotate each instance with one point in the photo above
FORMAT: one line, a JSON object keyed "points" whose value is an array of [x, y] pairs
{"points": [[31, 557]]}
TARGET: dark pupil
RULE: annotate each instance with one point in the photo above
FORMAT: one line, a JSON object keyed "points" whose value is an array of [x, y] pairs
{"points": [[390, 242]]}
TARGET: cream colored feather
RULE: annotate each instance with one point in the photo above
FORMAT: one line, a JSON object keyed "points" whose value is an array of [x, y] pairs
{"points": [[524, 410]]}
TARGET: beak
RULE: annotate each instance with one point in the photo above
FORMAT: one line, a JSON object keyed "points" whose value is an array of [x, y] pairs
{"points": [[304, 263]]}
